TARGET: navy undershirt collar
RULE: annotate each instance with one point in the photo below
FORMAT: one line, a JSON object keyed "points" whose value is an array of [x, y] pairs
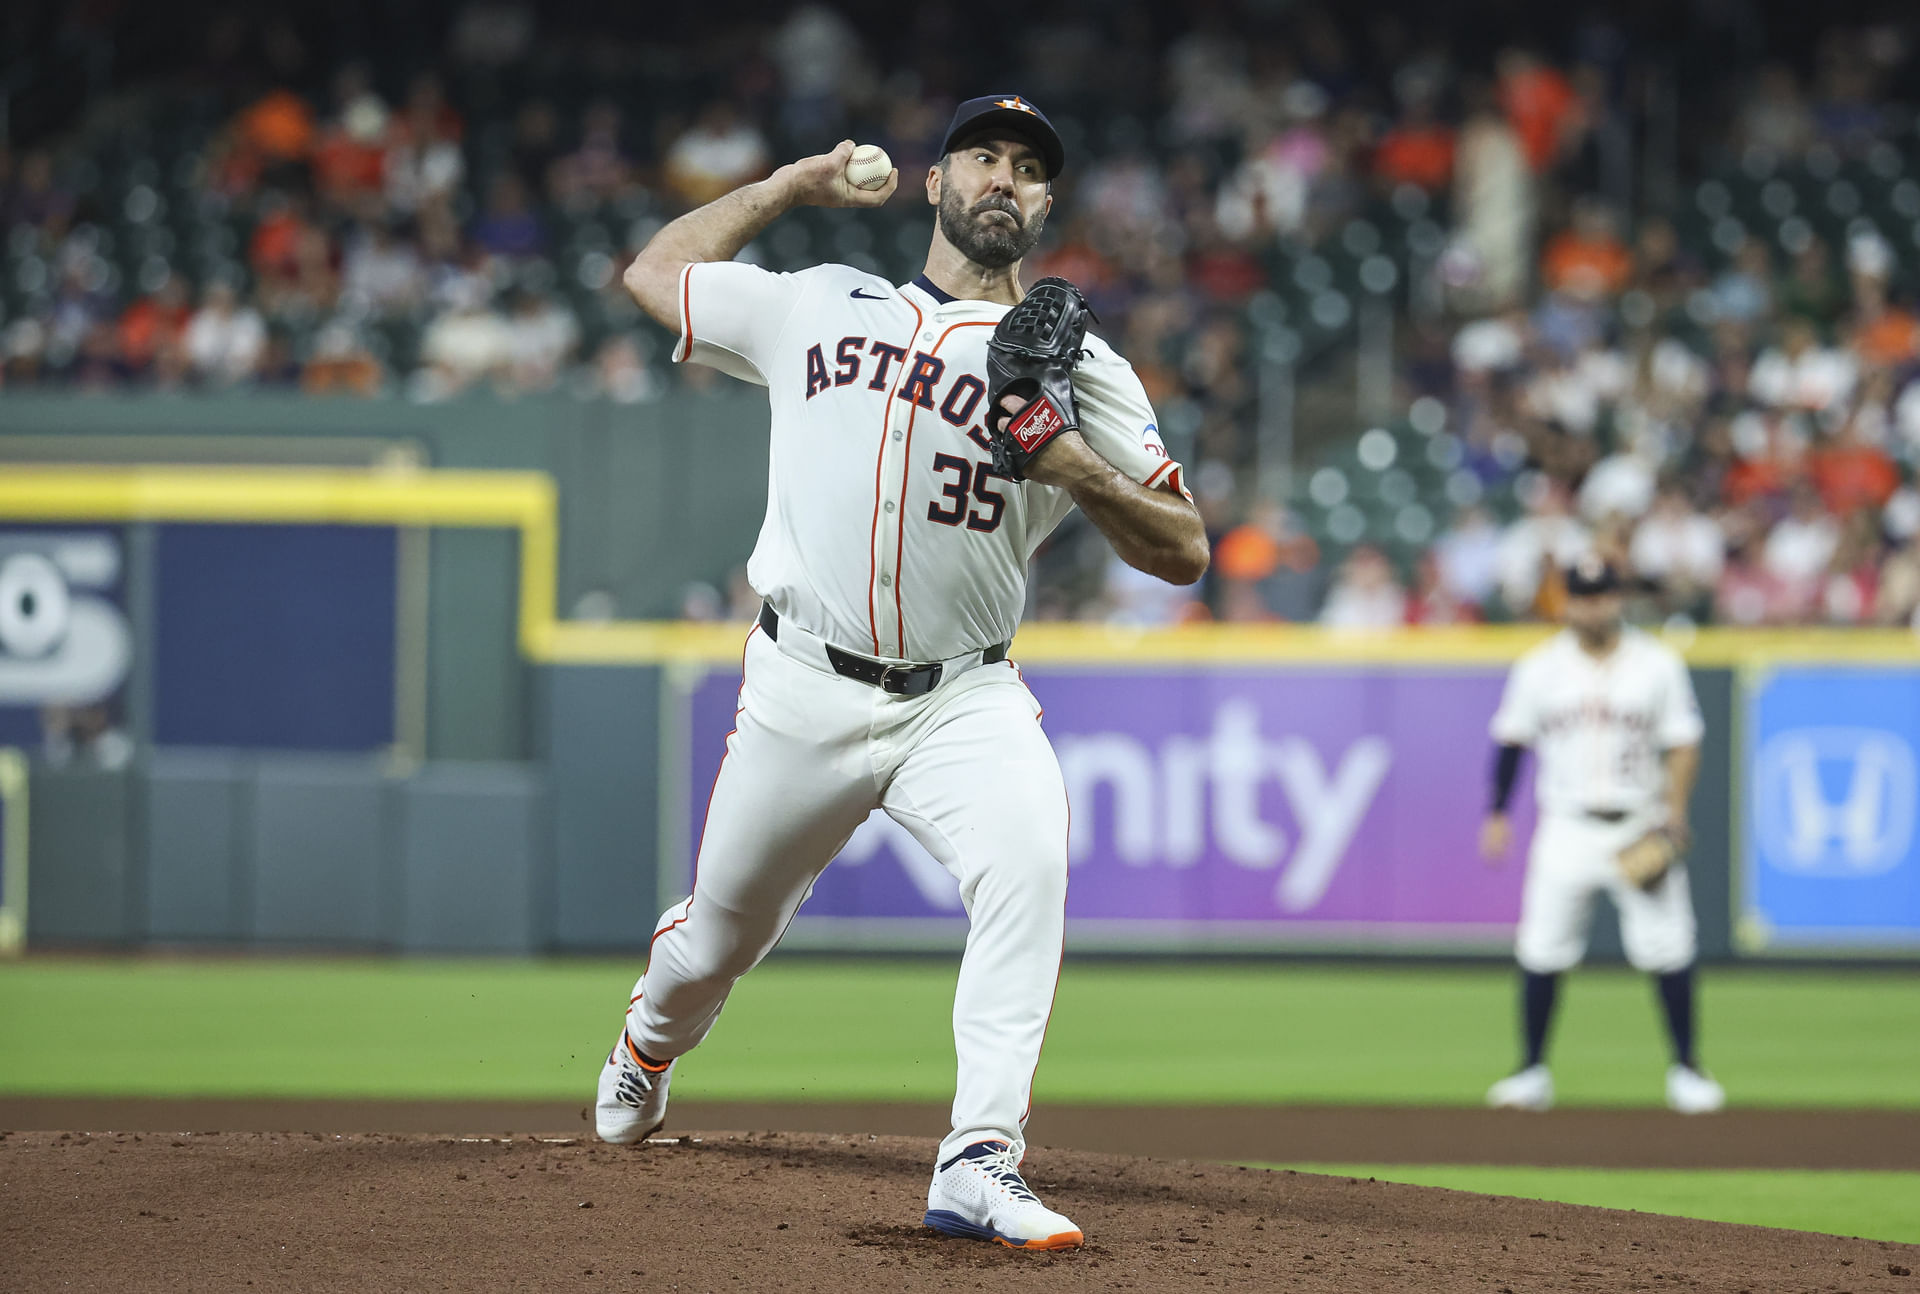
{"points": [[926, 285]]}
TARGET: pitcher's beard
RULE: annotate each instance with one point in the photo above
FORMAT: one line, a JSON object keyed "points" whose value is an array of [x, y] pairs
{"points": [[988, 243]]}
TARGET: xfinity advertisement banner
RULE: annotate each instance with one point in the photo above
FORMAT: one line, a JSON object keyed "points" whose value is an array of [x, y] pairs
{"points": [[1831, 857], [1259, 808]]}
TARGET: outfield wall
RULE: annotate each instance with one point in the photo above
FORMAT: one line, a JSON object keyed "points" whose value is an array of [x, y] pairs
{"points": [[1301, 806], [343, 710]]}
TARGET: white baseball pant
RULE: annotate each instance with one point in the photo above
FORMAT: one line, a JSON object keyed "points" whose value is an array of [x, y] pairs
{"points": [[1572, 860], [965, 768]]}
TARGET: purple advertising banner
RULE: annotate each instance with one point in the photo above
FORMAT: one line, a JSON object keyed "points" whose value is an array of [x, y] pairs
{"points": [[1244, 806]]}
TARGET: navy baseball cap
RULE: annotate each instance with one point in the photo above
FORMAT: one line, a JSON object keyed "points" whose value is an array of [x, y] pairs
{"points": [[1591, 576], [1017, 117]]}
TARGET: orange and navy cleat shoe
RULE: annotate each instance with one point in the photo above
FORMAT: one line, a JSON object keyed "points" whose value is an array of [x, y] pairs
{"points": [[632, 1103], [979, 1194]]}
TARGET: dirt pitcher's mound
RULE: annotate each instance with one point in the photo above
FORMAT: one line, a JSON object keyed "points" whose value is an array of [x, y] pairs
{"points": [[839, 1214]]}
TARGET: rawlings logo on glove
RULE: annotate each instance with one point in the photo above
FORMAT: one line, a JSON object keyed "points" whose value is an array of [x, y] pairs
{"points": [[1039, 423], [1031, 357]]}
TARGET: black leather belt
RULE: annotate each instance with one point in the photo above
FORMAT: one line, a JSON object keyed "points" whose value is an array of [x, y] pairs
{"points": [[1606, 815], [898, 680]]}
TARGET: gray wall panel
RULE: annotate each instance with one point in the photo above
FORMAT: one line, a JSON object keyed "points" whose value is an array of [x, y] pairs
{"points": [[319, 845], [476, 680], [642, 513], [82, 887], [472, 854], [196, 885], [599, 729], [723, 498], [1711, 857]]}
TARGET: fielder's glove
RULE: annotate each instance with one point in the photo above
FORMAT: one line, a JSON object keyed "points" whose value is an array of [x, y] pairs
{"points": [[1031, 357], [1647, 859]]}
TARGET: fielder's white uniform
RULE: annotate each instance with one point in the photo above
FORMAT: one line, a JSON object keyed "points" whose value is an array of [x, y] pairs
{"points": [[1599, 728], [886, 535]]}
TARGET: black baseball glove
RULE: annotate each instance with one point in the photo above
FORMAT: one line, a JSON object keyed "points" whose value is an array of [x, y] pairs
{"points": [[1031, 357]]}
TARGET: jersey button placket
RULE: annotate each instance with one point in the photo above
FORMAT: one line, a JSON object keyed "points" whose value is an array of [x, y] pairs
{"points": [[889, 543]]}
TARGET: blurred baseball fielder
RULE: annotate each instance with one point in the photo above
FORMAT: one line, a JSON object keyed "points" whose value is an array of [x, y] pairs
{"points": [[912, 477], [1611, 713]]}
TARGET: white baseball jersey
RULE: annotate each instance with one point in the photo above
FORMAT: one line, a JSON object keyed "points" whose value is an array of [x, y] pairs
{"points": [[1599, 726], [887, 531], [889, 534]]}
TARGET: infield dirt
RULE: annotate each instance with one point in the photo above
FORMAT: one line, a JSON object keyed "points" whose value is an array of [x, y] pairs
{"points": [[810, 1212], [1328, 1134]]}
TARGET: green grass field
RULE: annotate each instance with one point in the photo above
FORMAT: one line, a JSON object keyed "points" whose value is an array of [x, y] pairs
{"points": [[856, 1030], [859, 1030], [1879, 1206]]}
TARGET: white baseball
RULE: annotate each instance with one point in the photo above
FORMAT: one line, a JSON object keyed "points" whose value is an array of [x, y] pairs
{"points": [[868, 167]]}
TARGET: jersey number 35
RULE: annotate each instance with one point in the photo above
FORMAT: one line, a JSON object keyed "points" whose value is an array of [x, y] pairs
{"points": [[972, 487]]}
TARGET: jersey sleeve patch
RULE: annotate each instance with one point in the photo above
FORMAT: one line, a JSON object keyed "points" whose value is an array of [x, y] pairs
{"points": [[1168, 476]]}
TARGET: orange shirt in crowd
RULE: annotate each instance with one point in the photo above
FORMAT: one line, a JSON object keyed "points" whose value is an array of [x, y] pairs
{"points": [[1246, 553], [1538, 102], [1850, 477], [276, 243], [279, 126], [1889, 339], [146, 326], [1585, 267], [1251, 553], [1420, 155], [349, 374], [343, 165], [1755, 478]]}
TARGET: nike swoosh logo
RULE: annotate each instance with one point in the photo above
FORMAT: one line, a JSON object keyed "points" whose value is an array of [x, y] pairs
{"points": [[867, 296]]}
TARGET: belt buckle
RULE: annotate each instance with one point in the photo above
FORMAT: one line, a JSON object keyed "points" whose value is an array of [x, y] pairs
{"points": [[895, 679]]}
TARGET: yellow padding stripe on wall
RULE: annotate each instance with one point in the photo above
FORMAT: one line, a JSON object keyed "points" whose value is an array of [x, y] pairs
{"points": [[1230, 646], [526, 501], [522, 501]]}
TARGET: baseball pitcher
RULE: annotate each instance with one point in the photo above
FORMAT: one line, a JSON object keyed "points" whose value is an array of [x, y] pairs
{"points": [[925, 438], [1611, 713]]}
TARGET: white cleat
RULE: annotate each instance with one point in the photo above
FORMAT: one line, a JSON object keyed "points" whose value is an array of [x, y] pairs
{"points": [[1691, 1092], [632, 1104], [979, 1194], [1530, 1089]]}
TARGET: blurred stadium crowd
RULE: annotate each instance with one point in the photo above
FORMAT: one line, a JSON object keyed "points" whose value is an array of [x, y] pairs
{"points": [[1714, 380]]}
